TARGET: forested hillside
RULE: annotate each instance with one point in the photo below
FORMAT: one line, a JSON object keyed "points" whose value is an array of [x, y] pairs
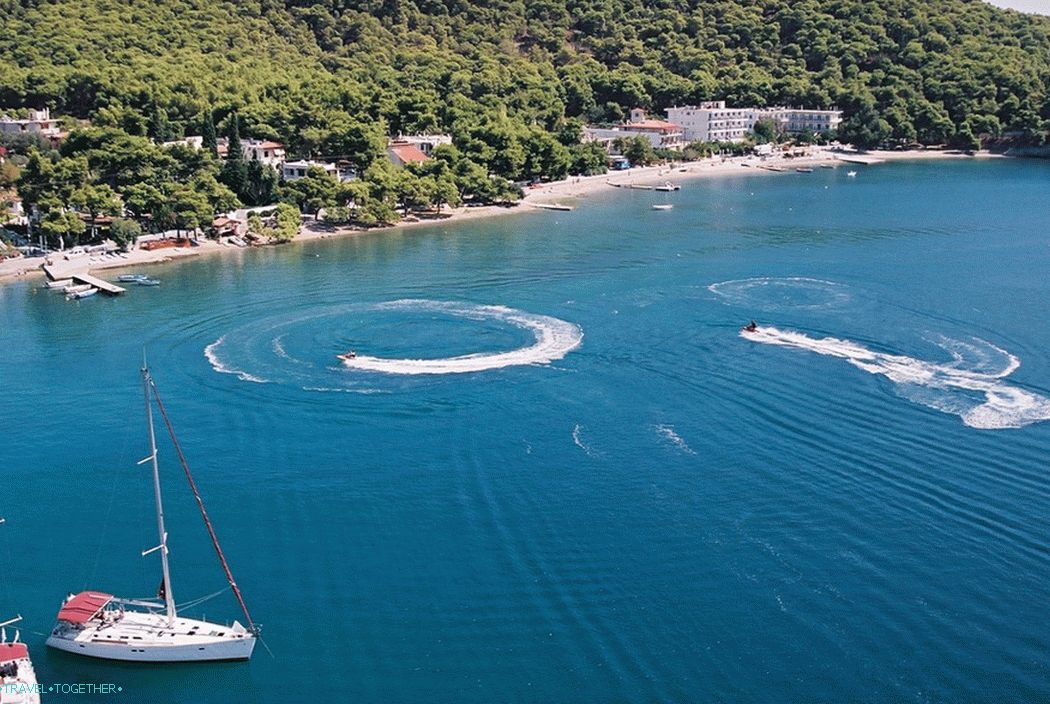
{"points": [[305, 70]]}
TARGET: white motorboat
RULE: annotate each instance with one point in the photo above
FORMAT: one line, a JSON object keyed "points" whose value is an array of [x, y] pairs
{"points": [[75, 288], [147, 282], [100, 625], [668, 186], [130, 278], [18, 683], [851, 174], [90, 291], [60, 283], [662, 206]]}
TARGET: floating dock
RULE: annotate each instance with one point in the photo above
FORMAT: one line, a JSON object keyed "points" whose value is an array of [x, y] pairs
{"points": [[103, 286], [858, 159]]}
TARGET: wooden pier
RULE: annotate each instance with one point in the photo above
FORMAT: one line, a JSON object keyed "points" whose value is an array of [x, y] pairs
{"points": [[103, 286]]}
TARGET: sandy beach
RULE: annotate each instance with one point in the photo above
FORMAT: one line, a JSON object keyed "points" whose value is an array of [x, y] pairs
{"points": [[562, 193]]}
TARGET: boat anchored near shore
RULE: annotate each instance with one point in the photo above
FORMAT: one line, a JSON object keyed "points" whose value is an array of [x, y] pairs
{"points": [[100, 625], [18, 683]]}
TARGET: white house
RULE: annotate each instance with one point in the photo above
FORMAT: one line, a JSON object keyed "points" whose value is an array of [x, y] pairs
{"points": [[295, 170], [194, 142], [660, 133], [267, 152], [38, 122], [426, 143]]}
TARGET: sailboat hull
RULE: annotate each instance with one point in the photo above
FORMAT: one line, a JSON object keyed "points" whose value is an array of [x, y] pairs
{"points": [[146, 637]]}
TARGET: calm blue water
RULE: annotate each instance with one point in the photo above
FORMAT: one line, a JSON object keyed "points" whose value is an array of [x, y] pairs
{"points": [[852, 506]]}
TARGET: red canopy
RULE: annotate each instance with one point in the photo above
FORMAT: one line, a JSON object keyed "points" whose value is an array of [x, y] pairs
{"points": [[83, 606], [13, 651]]}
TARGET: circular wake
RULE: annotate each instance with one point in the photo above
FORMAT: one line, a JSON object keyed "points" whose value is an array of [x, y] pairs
{"points": [[774, 294], [554, 339], [300, 348]]}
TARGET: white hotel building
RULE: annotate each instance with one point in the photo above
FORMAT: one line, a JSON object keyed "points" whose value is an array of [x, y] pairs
{"points": [[714, 122]]}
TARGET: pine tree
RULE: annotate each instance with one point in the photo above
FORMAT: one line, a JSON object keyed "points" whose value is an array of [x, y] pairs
{"points": [[210, 141], [235, 170]]}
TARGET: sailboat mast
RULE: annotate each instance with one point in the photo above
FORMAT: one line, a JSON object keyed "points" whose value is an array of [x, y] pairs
{"points": [[169, 598]]}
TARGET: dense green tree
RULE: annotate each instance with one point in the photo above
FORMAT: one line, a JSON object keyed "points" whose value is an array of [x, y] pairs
{"points": [[765, 131], [638, 150], [260, 185], [125, 232], [235, 168], [288, 220], [314, 191], [209, 138]]}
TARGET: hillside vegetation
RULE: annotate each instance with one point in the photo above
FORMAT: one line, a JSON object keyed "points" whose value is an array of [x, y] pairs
{"points": [[301, 70], [511, 80]]}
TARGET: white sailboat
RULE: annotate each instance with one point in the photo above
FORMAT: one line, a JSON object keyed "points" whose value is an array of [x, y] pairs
{"points": [[18, 684], [100, 625]]}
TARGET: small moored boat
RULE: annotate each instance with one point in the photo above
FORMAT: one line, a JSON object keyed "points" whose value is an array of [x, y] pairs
{"points": [[91, 291], [851, 174], [804, 170], [147, 282], [60, 283], [662, 206], [668, 186], [131, 278], [75, 288]]}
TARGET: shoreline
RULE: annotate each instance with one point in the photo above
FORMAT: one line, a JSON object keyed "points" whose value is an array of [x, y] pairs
{"points": [[560, 193]]}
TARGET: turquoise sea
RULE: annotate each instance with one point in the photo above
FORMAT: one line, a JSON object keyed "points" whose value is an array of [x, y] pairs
{"points": [[610, 494]]}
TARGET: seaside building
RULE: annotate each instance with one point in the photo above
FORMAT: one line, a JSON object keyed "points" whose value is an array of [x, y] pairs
{"points": [[713, 121], [295, 170], [660, 133]]}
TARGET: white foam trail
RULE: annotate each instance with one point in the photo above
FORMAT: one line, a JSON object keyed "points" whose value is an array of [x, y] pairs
{"points": [[217, 364], [554, 339], [668, 432], [774, 293], [577, 437], [948, 387]]}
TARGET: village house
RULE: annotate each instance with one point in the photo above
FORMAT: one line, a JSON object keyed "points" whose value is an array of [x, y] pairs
{"points": [[295, 170], [402, 153], [38, 122], [427, 143], [660, 133], [194, 142], [263, 150]]}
